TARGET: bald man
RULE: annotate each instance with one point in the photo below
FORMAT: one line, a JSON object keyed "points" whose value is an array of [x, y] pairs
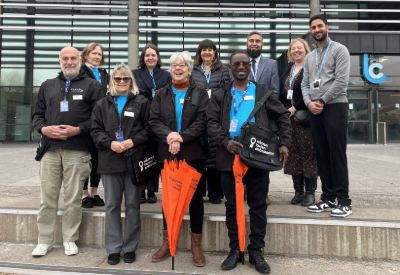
{"points": [[62, 117]]}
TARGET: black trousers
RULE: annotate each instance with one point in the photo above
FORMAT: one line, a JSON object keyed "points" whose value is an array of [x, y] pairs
{"points": [[256, 182], [329, 131], [94, 177], [214, 184], [196, 206]]}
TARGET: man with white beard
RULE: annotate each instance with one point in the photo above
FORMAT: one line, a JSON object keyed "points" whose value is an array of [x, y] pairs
{"points": [[62, 116]]}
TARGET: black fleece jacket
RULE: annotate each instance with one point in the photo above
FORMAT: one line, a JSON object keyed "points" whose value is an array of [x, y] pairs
{"points": [[105, 123], [272, 115], [82, 96]]}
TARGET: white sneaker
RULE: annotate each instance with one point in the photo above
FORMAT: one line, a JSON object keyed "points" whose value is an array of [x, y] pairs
{"points": [[70, 248], [41, 250]]}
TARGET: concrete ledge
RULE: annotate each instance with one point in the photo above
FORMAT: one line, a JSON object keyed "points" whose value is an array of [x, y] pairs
{"points": [[296, 236]]}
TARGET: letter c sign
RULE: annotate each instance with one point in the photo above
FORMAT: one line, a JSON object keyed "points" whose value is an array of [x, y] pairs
{"points": [[369, 71]]}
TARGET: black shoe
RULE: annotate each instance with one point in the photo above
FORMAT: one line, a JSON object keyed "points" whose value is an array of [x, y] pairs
{"points": [[256, 258], [113, 258], [97, 201], [87, 202], [234, 257], [129, 257], [215, 201], [152, 198]]}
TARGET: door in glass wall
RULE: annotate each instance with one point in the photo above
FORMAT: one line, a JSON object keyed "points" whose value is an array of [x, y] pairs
{"points": [[389, 112], [359, 123]]}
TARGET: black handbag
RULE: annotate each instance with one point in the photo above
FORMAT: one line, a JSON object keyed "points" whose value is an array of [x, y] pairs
{"points": [[141, 163], [43, 146], [260, 145], [302, 117]]}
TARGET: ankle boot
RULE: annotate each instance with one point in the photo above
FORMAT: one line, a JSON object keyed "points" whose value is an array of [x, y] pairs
{"points": [[163, 252], [198, 257], [311, 186], [298, 185]]}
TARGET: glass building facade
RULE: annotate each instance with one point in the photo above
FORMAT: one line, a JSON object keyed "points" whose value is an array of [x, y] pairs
{"points": [[33, 31]]}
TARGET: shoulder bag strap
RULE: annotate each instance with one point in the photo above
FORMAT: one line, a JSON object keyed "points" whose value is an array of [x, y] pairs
{"points": [[258, 106]]}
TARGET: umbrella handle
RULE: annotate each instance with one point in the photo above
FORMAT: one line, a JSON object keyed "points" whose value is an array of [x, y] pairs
{"points": [[173, 263], [242, 257]]}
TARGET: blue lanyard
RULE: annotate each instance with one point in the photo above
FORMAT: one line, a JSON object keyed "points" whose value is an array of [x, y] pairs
{"points": [[321, 63], [116, 106], [206, 75], [235, 105], [67, 87]]}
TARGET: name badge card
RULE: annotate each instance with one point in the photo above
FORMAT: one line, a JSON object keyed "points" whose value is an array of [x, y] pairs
{"points": [[289, 94], [63, 106], [77, 97], [130, 114], [119, 136], [233, 126], [181, 101], [209, 93], [248, 97]]}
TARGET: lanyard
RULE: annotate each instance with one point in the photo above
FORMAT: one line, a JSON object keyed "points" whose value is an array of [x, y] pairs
{"points": [[206, 75], [321, 63], [116, 106], [236, 106], [292, 77], [67, 87]]}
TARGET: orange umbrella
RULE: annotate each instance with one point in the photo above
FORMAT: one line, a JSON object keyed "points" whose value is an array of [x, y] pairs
{"points": [[179, 182], [239, 170]]}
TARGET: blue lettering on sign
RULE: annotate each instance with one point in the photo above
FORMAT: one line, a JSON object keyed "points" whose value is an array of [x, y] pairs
{"points": [[373, 72]]}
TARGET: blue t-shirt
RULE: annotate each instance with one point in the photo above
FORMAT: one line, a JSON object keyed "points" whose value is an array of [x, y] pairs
{"points": [[120, 101], [179, 100], [241, 107]]}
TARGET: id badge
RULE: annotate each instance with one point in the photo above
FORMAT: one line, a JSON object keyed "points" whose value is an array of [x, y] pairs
{"points": [[209, 93], [316, 84], [182, 100], [289, 94], [119, 136], [63, 106], [233, 126]]}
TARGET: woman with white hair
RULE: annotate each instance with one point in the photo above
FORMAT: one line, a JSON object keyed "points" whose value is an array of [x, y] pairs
{"points": [[119, 124], [178, 119]]}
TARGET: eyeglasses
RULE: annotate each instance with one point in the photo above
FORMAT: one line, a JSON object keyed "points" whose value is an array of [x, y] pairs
{"points": [[237, 64], [178, 66], [123, 79]]}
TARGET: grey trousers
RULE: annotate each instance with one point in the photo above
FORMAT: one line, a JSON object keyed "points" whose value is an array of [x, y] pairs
{"points": [[116, 186]]}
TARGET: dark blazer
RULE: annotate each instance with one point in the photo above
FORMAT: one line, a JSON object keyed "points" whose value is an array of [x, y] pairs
{"points": [[272, 115], [193, 125], [298, 101], [145, 83], [267, 74], [105, 122], [104, 76], [219, 77]]}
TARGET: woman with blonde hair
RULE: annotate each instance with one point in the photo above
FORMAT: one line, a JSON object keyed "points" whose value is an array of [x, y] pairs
{"points": [[302, 163], [118, 124], [92, 61]]}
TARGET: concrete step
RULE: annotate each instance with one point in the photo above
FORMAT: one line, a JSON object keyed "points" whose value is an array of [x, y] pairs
{"points": [[367, 234], [16, 259]]}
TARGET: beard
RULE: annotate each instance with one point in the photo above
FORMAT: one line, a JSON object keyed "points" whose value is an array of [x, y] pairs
{"points": [[253, 53], [322, 38], [70, 72]]}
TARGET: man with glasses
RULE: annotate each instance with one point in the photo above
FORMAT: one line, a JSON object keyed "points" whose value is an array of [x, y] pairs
{"points": [[227, 111], [62, 117]]}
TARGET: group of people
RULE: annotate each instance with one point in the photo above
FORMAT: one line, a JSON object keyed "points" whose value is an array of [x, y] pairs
{"points": [[195, 112]]}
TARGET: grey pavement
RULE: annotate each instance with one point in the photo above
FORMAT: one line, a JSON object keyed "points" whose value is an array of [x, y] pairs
{"points": [[16, 259], [374, 172]]}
